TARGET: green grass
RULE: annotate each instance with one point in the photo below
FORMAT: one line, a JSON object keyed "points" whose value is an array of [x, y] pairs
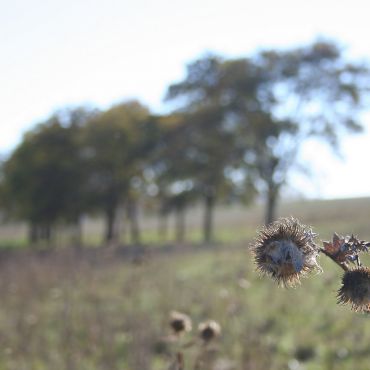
{"points": [[66, 312], [99, 309], [13, 243]]}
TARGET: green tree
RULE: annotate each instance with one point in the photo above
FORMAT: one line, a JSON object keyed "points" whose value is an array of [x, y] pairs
{"points": [[311, 91], [75, 119], [207, 136], [116, 144], [268, 105], [41, 178], [168, 175]]}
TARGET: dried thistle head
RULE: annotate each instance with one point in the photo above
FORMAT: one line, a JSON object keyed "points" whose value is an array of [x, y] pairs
{"points": [[285, 250], [179, 322], [209, 330], [345, 250], [355, 289]]}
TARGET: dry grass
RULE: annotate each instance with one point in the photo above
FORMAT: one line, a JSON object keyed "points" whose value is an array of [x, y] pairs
{"points": [[68, 311], [108, 309]]}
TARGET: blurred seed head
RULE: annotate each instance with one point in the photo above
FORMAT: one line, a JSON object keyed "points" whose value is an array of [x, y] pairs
{"points": [[209, 330], [180, 322], [285, 250], [355, 289]]}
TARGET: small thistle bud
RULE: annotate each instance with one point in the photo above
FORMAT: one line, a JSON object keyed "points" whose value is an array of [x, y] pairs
{"points": [[209, 330], [179, 322], [355, 289], [285, 250]]}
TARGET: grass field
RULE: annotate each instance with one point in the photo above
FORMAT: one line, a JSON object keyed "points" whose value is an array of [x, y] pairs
{"points": [[103, 308], [232, 223]]}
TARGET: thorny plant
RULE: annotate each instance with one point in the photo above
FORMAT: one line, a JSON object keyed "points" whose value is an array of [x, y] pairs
{"points": [[181, 326], [286, 250]]}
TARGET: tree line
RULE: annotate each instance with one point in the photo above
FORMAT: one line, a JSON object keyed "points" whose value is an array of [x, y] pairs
{"points": [[235, 130]]}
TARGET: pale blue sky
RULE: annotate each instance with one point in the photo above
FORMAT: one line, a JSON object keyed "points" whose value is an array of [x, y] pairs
{"points": [[56, 53]]}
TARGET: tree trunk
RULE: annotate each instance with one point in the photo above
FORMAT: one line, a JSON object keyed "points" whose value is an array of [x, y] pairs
{"points": [[110, 233], [180, 224], [77, 233], [271, 202], [162, 227], [208, 218], [120, 224], [47, 233], [33, 233], [132, 215]]}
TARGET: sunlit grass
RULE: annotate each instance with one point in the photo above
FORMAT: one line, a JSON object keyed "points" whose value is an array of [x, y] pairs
{"points": [[101, 309], [67, 313]]}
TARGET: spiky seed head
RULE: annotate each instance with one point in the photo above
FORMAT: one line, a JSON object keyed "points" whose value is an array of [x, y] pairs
{"points": [[285, 250], [180, 322], [209, 330], [355, 289]]}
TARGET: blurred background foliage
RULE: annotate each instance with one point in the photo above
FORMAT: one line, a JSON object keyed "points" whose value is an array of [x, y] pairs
{"points": [[234, 133], [148, 186]]}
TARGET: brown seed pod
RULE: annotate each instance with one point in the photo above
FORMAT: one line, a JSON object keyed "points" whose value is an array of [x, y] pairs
{"points": [[179, 322], [285, 250], [209, 330], [355, 289]]}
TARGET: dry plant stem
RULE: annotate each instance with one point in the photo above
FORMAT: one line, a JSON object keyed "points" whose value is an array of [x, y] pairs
{"points": [[206, 357], [199, 359], [180, 361], [341, 265]]}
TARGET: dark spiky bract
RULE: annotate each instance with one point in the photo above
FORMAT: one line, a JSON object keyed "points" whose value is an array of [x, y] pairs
{"points": [[355, 289], [180, 322], [285, 250], [209, 330]]}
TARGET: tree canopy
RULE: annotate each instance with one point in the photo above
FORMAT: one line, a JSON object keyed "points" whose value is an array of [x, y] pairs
{"points": [[236, 131]]}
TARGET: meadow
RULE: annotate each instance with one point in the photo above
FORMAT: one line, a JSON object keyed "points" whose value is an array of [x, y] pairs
{"points": [[108, 308]]}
